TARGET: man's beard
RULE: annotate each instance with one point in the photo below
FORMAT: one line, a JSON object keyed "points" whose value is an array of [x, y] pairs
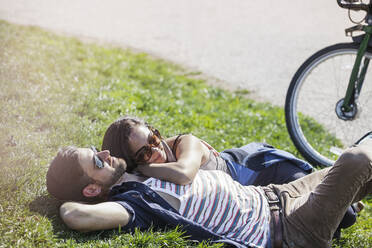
{"points": [[120, 167]]}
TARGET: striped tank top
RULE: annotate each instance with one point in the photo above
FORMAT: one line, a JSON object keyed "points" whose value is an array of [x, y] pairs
{"points": [[225, 207], [214, 162]]}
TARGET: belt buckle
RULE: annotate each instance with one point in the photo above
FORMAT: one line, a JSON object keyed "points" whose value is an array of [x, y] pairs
{"points": [[272, 198]]}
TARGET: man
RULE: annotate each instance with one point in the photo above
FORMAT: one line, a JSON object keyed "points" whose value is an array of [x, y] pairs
{"points": [[213, 206]]}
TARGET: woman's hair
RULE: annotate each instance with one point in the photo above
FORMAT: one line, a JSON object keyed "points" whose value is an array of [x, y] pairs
{"points": [[116, 138]]}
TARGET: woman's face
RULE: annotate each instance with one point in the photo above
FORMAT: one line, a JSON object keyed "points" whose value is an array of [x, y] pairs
{"points": [[144, 143]]}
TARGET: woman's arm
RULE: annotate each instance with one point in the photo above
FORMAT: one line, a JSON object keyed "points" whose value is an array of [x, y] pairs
{"points": [[189, 153], [86, 217]]}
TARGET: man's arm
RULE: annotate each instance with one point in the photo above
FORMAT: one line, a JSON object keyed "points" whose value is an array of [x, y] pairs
{"points": [[92, 217]]}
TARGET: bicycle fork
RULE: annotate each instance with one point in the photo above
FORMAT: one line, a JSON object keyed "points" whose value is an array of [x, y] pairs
{"points": [[347, 107]]}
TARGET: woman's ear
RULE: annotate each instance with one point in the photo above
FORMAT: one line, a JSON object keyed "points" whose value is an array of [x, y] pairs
{"points": [[92, 190]]}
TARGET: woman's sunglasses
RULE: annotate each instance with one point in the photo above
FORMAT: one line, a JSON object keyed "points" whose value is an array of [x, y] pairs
{"points": [[144, 154]]}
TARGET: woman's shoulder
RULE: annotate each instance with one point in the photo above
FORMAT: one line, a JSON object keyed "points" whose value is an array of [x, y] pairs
{"points": [[186, 138], [174, 140]]}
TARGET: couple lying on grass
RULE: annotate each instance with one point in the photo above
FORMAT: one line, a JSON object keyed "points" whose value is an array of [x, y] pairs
{"points": [[245, 197]]}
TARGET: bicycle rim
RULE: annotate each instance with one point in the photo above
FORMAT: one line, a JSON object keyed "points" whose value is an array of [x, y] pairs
{"points": [[316, 130]]}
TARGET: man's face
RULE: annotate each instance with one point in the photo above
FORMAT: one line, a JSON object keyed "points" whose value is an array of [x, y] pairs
{"points": [[113, 168]]}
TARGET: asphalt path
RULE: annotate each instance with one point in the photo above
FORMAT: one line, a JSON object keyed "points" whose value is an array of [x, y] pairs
{"points": [[254, 45]]}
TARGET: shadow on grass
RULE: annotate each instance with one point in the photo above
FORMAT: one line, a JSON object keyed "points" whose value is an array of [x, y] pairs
{"points": [[48, 206], [45, 205]]}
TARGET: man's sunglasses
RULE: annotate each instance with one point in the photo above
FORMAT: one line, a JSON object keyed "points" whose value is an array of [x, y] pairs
{"points": [[144, 154], [97, 161]]}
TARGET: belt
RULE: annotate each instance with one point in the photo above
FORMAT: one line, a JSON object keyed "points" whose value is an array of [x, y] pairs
{"points": [[275, 207]]}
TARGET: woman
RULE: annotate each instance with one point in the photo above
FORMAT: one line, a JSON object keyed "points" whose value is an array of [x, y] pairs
{"points": [[177, 159]]}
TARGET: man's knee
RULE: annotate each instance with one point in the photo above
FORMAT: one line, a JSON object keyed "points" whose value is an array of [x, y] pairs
{"points": [[359, 158]]}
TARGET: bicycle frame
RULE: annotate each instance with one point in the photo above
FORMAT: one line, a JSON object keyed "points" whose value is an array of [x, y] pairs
{"points": [[330, 89]]}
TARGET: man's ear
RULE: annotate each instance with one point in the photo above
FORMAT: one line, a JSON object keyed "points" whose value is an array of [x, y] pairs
{"points": [[92, 190]]}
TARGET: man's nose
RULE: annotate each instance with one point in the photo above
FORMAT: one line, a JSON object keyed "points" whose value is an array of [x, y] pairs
{"points": [[105, 154]]}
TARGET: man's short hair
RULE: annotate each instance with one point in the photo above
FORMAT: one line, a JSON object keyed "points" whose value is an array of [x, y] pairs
{"points": [[65, 178]]}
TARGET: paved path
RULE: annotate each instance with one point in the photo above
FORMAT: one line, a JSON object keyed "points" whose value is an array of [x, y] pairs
{"points": [[256, 45]]}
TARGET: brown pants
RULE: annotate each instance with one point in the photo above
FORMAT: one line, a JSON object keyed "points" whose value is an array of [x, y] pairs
{"points": [[313, 206]]}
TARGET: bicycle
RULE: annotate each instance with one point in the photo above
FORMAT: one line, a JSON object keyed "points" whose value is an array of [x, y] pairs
{"points": [[326, 95]]}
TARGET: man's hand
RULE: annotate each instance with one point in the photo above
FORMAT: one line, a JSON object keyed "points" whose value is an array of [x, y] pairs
{"points": [[91, 217]]}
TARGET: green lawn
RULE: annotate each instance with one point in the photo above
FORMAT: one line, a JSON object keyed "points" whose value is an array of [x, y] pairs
{"points": [[57, 91]]}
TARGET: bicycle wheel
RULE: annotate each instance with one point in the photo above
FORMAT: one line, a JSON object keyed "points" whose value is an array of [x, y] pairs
{"points": [[312, 101]]}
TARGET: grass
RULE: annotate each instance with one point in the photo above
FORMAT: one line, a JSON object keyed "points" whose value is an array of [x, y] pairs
{"points": [[57, 91]]}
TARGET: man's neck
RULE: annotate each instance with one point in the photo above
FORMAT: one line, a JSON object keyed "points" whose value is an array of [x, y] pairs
{"points": [[131, 177]]}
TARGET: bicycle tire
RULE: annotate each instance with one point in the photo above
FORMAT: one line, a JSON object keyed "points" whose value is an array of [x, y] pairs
{"points": [[317, 86]]}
